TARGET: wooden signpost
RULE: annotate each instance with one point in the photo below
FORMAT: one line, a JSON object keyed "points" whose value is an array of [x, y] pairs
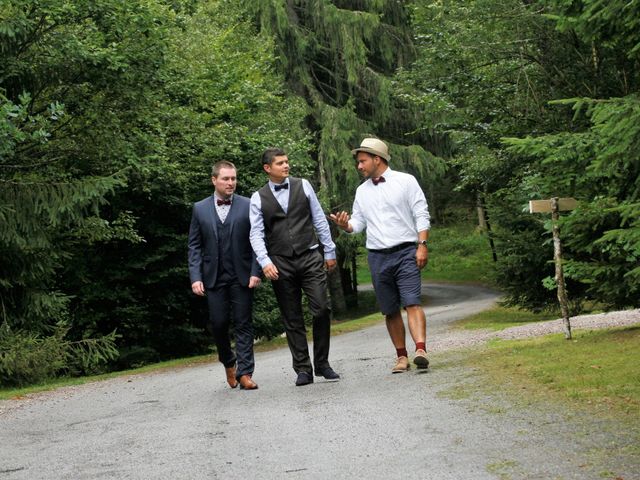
{"points": [[555, 206]]}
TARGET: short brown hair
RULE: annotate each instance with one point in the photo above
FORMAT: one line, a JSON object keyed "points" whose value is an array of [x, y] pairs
{"points": [[215, 171]]}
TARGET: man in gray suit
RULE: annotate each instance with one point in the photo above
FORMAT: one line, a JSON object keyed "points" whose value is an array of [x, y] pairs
{"points": [[223, 267]]}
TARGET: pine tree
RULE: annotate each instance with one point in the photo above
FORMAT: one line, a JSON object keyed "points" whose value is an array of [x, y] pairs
{"points": [[111, 115], [341, 56], [596, 157]]}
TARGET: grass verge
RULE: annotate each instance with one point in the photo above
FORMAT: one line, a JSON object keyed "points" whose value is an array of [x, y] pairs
{"points": [[597, 370]]}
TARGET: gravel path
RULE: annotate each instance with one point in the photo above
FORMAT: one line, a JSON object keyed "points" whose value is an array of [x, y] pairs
{"points": [[186, 423], [467, 338]]}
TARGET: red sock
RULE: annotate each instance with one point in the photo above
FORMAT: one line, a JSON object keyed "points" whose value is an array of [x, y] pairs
{"points": [[402, 352], [421, 346]]}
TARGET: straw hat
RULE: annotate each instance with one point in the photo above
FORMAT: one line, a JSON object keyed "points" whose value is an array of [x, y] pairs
{"points": [[373, 146]]}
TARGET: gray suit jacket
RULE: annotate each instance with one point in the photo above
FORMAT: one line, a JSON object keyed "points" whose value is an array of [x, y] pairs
{"points": [[203, 242]]}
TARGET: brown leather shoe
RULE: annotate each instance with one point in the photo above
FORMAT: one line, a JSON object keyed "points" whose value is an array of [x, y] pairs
{"points": [[402, 365], [246, 383], [420, 359], [231, 376]]}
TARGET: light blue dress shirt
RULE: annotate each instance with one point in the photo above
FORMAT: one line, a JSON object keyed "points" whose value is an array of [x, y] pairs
{"points": [[318, 219]]}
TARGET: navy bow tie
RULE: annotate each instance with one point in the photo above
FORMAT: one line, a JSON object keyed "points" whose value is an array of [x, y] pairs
{"points": [[284, 186], [224, 202], [378, 180]]}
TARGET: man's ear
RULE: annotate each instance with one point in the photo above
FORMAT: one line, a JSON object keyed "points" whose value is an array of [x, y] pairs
{"points": [[213, 181], [267, 167]]}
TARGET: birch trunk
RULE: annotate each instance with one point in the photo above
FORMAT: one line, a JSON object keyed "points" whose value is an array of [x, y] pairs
{"points": [[557, 256]]}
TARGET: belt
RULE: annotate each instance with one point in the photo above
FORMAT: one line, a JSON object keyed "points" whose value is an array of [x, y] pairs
{"points": [[397, 248]]}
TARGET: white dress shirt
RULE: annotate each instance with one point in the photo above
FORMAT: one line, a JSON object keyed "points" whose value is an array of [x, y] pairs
{"points": [[222, 210], [393, 212]]}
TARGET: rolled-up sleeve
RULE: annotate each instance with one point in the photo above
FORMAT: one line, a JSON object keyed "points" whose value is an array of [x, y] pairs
{"points": [[419, 206]]}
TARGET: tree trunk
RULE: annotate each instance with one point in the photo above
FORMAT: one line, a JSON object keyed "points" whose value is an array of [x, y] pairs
{"points": [[557, 257], [338, 301], [485, 226]]}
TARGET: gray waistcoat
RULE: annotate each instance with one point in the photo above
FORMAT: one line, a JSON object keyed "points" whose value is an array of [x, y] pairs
{"points": [[292, 233]]}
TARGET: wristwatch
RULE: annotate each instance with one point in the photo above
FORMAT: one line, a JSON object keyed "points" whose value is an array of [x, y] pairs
{"points": [[422, 242]]}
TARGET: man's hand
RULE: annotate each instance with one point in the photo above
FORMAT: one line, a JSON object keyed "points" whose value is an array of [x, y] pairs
{"points": [[422, 256], [254, 282], [330, 265], [198, 288], [341, 219], [270, 271]]}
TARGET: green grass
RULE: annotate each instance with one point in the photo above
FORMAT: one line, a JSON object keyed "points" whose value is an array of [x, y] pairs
{"points": [[363, 274], [357, 324], [499, 318], [598, 370], [456, 254], [459, 254]]}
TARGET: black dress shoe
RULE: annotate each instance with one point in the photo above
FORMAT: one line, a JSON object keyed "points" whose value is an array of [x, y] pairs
{"points": [[327, 373], [304, 378]]}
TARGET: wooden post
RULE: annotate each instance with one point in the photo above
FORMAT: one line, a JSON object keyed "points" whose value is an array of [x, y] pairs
{"points": [[555, 205], [557, 257]]}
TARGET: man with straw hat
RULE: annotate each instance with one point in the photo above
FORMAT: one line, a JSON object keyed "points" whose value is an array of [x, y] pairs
{"points": [[392, 208]]}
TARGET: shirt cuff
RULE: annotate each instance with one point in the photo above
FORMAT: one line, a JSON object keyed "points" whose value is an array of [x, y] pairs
{"points": [[265, 261]]}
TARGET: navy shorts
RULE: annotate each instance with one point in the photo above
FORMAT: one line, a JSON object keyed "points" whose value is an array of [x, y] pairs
{"points": [[396, 279]]}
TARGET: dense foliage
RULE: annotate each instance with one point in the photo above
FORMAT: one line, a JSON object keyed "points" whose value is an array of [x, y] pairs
{"points": [[540, 100], [111, 114], [341, 57]]}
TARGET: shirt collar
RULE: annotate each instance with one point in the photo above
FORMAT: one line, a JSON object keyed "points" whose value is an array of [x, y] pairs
{"points": [[386, 174], [272, 184]]}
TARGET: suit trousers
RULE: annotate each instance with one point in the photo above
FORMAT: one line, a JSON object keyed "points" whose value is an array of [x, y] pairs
{"points": [[304, 273], [228, 302]]}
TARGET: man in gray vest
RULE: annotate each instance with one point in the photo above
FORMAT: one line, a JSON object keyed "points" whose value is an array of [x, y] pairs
{"points": [[288, 226], [223, 267]]}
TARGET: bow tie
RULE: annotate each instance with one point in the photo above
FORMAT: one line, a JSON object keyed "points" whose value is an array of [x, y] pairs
{"points": [[224, 202], [378, 180], [277, 188]]}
